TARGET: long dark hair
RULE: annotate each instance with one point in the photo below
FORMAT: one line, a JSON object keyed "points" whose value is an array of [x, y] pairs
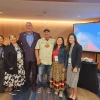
{"points": [[62, 45], [68, 43], [2, 37]]}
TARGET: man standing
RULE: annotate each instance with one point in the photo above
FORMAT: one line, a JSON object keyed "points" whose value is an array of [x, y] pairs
{"points": [[44, 48], [28, 40]]}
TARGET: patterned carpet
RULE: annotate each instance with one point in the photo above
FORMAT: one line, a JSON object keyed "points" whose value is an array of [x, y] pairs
{"points": [[29, 95], [23, 95]]}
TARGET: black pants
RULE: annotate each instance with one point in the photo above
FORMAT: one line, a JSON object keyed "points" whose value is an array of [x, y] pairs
{"points": [[31, 67], [1, 78]]}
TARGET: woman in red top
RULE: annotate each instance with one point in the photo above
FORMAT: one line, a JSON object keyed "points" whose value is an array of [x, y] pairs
{"points": [[58, 70]]}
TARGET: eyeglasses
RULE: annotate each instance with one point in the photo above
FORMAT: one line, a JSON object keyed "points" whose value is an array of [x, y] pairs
{"points": [[47, 32]]}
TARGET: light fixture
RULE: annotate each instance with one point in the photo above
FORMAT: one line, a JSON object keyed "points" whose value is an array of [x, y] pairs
{"points": [[44, 13], [49, 21], [1, 12]]}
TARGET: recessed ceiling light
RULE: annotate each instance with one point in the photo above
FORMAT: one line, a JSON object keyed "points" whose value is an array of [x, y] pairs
{"points": [[45, 13], [1, 12]]}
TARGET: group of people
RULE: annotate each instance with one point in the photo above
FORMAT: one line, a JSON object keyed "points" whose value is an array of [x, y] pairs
{"points": [[31, 54]]}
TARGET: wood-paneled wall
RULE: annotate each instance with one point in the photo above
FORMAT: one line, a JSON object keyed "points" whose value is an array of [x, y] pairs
{"points": [[82, 1], [57, 29]]}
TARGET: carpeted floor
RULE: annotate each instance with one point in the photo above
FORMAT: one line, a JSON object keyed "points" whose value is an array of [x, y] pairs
{"points": [[29, 95], [23, 95]]}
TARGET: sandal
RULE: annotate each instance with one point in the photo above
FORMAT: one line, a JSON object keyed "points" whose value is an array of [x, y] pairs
{"points": [[74, 98], [39, 90], [48, 90]]}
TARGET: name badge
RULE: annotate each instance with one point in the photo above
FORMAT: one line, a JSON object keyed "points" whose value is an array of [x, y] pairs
{"points": [[69, 61], [56, 58], [19, 55]]}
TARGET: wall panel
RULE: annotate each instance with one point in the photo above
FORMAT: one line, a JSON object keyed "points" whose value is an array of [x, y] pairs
{"points": [[57, 29]]}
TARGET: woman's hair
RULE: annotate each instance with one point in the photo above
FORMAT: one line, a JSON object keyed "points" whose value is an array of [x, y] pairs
{"points": [[68, 43], [62, 45], [12, 35], [2, 37]]}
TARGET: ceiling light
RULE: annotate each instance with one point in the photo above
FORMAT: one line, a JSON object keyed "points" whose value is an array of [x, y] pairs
{"points": [[40, 20], [45, 13], [1, 12]]}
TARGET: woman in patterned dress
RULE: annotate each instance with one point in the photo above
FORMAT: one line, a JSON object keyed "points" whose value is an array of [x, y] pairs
{"points": [[14, 65], [58, 70]]}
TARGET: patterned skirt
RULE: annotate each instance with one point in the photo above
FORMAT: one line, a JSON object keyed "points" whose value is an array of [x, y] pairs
{"points": [[15, 80], [57, 77]]}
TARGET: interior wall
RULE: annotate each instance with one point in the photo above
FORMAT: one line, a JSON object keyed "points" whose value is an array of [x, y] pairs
{"points": [[57, 29], [16, 26]]}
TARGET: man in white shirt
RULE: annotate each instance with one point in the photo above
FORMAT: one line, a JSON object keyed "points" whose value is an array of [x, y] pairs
{"points": [[43, 50]]}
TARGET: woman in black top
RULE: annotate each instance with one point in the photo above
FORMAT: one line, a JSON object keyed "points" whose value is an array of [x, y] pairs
{"points": [[14, 65], [2, 46], [74, 64]]}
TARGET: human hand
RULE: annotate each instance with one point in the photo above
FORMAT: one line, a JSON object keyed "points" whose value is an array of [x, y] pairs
{"points": [[63, 70], [11, 68], [75, 70], [38, 62]]}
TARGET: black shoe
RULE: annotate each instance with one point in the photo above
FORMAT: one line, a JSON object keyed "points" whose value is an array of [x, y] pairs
{"points": [[25, 88], [2, 91], [34, 89], [13, 92], [69, 98], [17, 89]]}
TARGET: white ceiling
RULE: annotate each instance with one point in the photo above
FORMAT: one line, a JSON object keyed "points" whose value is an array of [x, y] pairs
{"points": [[20, 9]]}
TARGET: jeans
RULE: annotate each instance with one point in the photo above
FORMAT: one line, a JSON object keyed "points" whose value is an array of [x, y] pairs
{"points": [[41, 71]]}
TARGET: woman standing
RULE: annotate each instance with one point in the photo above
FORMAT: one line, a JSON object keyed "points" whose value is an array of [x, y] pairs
{"points": [[2, 46], [14, 61], [74, 64], [58, 70]]}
